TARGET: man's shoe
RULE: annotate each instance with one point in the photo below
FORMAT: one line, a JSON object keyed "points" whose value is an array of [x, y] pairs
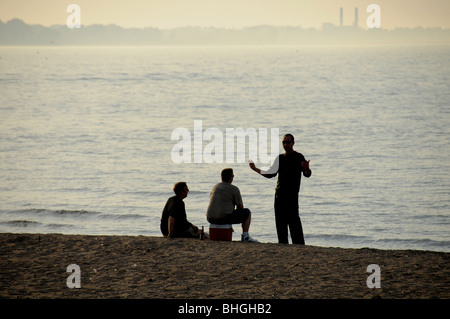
{"points": [[248, 239]]}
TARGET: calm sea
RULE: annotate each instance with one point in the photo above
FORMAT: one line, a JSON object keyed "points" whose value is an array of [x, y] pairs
{"points": [[85, 138]]}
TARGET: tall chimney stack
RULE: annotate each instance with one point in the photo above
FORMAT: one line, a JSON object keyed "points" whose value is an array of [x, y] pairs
{"points": [[342, 17], [355, 24]]}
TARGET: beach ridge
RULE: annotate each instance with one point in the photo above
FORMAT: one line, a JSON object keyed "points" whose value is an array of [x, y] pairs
{"points": [[36, 266]]}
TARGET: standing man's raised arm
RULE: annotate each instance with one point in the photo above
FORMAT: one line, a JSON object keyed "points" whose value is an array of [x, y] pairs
{"points": [[253, 167], [271, 172], [306, 170]]}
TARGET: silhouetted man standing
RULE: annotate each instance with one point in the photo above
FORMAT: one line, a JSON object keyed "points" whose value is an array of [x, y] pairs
{"points": [[289, 166]]}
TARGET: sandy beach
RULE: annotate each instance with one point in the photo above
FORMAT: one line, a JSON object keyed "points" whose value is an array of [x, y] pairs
{"points": [[35, 266]]}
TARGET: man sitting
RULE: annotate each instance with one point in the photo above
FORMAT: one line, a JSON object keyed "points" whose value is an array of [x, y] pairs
{"points": [[226, 206], [174, 221]]}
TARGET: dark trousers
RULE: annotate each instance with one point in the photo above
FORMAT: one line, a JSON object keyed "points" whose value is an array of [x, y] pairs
{"points": [[286, 215]]}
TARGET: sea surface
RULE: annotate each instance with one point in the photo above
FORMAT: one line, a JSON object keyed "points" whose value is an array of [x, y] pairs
{"points": [[87, 137]]}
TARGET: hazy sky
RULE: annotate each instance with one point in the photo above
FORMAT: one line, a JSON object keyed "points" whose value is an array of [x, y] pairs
{"points": [[228, 13]]}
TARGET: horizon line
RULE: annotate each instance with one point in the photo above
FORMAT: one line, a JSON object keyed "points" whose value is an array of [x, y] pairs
{"points": [[324, 24]]}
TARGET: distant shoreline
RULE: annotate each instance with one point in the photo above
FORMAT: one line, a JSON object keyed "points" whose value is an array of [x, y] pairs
{"points": [[17, 32], [35, 266]]}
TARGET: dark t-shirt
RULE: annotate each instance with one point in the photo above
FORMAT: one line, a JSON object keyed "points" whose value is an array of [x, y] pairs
{"points": [[174, 208], [289, 172]]}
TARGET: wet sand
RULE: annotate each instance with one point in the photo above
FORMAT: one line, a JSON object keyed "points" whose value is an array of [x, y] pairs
{"points": [[35, 266]]}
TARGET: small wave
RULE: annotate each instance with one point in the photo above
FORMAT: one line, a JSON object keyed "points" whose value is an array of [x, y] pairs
{"points": [[37, 213], [57, 226], [383, 243], [73, 212], [43, 211], [122, 216], [324, 203], [336, 236], [426, 242], [20, 223], [157, 76], [60, 212], [198, 192]]}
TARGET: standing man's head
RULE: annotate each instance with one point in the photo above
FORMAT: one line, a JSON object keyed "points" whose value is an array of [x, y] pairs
{"points": [[181, 189], [288, 143], [227, 175]]}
